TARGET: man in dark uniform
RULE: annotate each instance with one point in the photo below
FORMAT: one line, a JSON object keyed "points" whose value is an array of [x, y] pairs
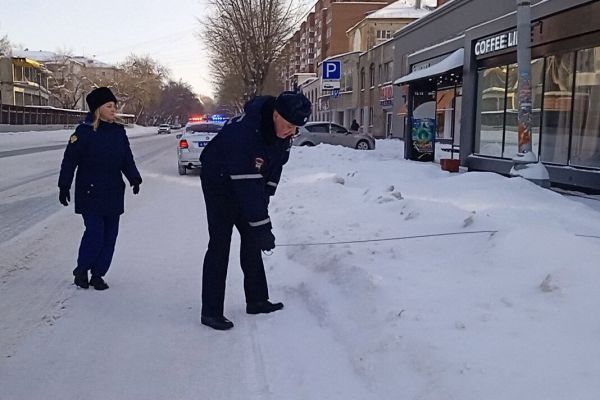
{"points": [[241, 168]]}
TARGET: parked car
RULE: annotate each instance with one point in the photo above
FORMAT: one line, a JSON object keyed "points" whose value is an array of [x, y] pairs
{"points": [[164, 128], [318, 132], [192, 141]]}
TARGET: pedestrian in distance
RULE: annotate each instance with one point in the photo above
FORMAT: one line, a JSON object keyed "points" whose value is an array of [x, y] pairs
{"points": [[241, 168], [354, 126], [99, 150]]}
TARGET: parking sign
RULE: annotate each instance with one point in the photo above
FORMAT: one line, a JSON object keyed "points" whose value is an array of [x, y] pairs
{"points": [[332, 72]]}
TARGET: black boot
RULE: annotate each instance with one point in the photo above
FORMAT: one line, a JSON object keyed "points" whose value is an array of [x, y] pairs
{"points": [[98, 283], [263, 307], [81, 280], [220, 323]]}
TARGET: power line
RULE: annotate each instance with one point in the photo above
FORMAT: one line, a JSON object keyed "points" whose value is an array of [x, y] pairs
{"points": [[133, 45]]}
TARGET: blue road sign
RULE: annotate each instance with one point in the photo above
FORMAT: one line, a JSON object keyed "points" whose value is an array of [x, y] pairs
{"points": [[332, 70]]}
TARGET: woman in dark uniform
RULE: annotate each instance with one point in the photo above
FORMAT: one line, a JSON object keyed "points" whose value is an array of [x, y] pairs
{"points": [[99, 150]]}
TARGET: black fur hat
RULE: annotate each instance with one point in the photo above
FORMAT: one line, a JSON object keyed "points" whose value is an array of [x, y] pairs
{"points": [[98, 97], [294, 107]]}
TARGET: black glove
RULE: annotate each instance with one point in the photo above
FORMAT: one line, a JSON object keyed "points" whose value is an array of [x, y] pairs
{"points": [[64, 197], [135, 184], [266, 240]]}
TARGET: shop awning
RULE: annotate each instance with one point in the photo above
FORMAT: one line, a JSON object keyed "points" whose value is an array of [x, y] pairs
{"points": [[449, 63]]}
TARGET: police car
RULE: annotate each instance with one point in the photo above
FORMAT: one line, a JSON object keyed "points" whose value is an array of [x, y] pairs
{"points": [[197, 133]]}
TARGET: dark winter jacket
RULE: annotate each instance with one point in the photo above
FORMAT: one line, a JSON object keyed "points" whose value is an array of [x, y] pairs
{"points": [[100, 157], [246, 158]]}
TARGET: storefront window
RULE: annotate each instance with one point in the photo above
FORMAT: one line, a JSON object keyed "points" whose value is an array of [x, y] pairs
{"points": [[585, 140], [511, 127], [557, 108], [443, 113], [490, 111]]}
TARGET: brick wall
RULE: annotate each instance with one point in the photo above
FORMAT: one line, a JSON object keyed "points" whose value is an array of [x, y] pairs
{"points": [[343, 17]]}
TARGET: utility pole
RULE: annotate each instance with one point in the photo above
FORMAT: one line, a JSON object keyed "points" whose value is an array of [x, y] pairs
{"points": [[525, 163]]}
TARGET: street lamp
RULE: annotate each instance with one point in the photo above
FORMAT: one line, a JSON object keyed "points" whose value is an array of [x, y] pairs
{"points": [[526, 163]]}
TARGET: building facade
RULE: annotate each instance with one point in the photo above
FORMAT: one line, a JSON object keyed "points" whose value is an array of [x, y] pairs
{"points": [[323, 34], [462, 90], [71, 77], [23, 82], [565, 89], [341, 106]]}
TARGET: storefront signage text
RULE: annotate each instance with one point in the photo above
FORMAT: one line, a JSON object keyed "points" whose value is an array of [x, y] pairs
{"points": [[386, 95], [496, 43]]}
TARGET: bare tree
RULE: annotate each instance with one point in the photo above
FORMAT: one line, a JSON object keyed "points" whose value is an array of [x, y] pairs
{"points": [[177, 103], [139, 84], [244, 39], [5, 46], [68, 83]]}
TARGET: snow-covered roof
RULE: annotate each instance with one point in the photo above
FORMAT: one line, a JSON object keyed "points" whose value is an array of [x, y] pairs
{"points": [[403, 9], [93, 62], [50, 56], [41, 56]]}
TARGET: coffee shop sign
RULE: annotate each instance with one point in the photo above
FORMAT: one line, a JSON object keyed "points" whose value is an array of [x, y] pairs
{"points": [[496, 43]]}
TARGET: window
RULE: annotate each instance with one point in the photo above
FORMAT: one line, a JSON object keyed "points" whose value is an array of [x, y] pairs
{"points": [[490, 111], [558, 84], [349, 82], [370, 116], [362, 78], [18, 73], [318, 128], [444, 112], [362, 116], [384, 34], [203, 128], [338, 129], [387, 71], [565, 118], [372, 75], [585, 137], [380, 69]]}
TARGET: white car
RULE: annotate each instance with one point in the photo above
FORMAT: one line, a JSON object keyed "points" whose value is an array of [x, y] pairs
{"points": [[193, 140], [164, 128]]}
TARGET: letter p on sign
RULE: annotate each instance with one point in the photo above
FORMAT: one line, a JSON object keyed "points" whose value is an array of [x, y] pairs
{"points": [[332, 69]]}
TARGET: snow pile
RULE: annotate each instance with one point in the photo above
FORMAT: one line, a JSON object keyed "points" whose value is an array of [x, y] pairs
{"points": [[509, 314]]}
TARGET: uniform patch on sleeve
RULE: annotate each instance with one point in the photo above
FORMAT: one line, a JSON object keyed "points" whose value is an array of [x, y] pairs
{"points": [[73, 138], [258, 163]]}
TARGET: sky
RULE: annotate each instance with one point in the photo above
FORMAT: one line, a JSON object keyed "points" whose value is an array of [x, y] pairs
{"points": [[504, 308], [110, 30]]}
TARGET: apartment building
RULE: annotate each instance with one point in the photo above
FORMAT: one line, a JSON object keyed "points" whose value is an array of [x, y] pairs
{"points": [[23, 82], [379, 26], [72, 77], [322, 35], [366, 90]]}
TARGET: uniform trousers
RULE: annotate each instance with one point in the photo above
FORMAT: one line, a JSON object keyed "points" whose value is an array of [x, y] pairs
{"points": [[97, 244], [223, 214]]}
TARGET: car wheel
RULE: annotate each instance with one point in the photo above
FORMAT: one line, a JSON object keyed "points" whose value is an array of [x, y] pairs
{"points": [[307, 144], [182, 170], [362, 145]]}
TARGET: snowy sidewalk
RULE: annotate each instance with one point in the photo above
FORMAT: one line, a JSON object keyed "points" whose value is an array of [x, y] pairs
{"points": [[510, 315]]}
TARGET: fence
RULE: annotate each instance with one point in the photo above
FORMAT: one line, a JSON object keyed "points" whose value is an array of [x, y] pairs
{"points": [[44, 115]]}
